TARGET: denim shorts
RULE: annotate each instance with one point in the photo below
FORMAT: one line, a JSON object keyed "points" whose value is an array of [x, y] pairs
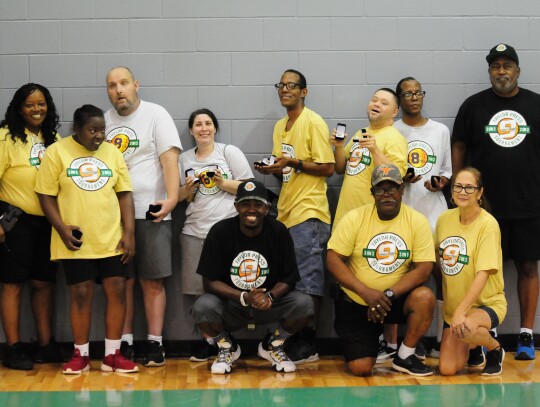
{"points": [[310, 238]]}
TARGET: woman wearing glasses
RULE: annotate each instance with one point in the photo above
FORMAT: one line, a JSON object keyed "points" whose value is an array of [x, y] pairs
{"points": [[468, 243]]}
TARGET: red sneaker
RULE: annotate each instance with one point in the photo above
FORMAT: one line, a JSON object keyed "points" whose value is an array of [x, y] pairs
{"points": [[77, 364], [118, 363]]}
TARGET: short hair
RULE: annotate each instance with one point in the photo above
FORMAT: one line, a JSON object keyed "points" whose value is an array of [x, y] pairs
{"points": [[406, 79], [303, 82], [120, 67], [15, 123], [203, 111], [396, 97], [85, 113]]}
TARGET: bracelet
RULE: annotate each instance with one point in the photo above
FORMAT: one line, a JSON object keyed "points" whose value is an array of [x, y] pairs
{"points": [[242, 299], [270, 296]]}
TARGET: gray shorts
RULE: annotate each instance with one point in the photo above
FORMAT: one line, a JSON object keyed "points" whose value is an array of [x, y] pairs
{"points": [[153, 259], [191, 248], [210, 308]]}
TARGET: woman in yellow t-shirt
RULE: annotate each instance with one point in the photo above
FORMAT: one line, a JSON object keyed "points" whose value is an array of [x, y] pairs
{"points": [[468, 243]]}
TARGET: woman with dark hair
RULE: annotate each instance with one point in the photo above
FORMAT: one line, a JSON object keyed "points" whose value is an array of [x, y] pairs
{"points": [[468, 244], [28, 128]]}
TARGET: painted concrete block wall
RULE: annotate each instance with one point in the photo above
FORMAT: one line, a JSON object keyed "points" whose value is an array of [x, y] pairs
{"points": [[226, 54]]}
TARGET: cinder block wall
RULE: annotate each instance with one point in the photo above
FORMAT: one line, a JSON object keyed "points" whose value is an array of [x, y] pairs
{"points": [[226, 54]]}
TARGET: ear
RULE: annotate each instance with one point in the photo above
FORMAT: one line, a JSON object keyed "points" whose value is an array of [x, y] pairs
{"points": [[136, 84], [303, 92]]}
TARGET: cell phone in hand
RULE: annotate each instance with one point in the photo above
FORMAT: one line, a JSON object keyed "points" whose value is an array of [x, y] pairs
{"points": [[154, 209], [260, 163], [77, 234], [341, 128], [433, 178], [410, 171], [364, 131]]}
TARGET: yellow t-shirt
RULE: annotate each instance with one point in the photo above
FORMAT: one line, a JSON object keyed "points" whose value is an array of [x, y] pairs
{"points": [[355, 190], [303, 196], [381, 252], [464, 250], [19, 164], [85, 184]]}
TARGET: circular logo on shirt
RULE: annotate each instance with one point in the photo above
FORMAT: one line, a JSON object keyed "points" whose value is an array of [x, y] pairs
{"points": [[359, 158], [208, 186], [421, 157], [453, 255], [89, 173], [36, 154], [124, 139], [249, 270], [287, 151], [386, 252], [507, 128]]}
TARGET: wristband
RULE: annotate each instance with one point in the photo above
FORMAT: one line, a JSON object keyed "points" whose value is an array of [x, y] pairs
{"points": [[242, 299], [300, 165], [270, 296]]}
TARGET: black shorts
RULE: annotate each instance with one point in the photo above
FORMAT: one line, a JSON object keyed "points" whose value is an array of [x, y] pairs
{"points": [[519, 239], [26, 252], [492, 316], [360, 337], [79, 270]]}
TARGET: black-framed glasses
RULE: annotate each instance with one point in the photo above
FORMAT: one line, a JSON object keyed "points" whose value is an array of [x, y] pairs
{"points": [[469, 189], [380, 191], [288, 85], [409, 95]]}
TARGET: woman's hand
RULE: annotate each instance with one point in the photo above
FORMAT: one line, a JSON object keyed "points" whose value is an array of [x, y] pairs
{"points": [[459, 325]]}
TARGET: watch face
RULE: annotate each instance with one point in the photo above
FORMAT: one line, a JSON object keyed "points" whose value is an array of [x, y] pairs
{"points": [[389, 293]]}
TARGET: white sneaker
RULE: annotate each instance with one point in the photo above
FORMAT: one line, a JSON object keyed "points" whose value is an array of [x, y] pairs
{"points": [[224, 360], [277, 357]]}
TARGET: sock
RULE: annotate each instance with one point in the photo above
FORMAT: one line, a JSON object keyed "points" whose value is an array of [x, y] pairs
{"points": [[111, 345], [155, 338], [404, 351], [210, 341], [440, 320], [223, 341], [391, 345], [128, 338], [527, 330], [84, 349], [494, 332], [278, 336]]}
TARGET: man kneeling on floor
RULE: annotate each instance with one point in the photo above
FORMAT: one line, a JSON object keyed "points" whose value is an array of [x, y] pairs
{"points": [[381, 254], [249, 271]]}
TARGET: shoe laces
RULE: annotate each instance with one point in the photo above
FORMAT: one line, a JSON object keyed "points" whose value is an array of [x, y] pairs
{"points": [[525, 339], [224, 356], [279, 354]]}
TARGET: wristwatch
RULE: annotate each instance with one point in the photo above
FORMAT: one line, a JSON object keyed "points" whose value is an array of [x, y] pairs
{"points": [[300, 165], [270, 296], [390, 294]]}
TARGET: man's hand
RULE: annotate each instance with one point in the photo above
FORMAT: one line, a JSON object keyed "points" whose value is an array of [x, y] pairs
{"points": [[258, 299], [70, 241], [127, 244], [379, 304]]}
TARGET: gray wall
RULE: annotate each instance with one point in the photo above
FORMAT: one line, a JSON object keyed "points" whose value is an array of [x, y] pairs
{"points": [[226, 54]]}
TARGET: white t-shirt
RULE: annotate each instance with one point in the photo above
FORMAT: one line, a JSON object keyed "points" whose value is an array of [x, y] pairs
{"points": [[212, 204], [428, 154], [142, 137]]}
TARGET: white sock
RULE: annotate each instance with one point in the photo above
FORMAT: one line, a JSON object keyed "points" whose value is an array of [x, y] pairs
{"points": [[111, 346], [440, 320], [527, 330], [128, 338], [392, 345], [84, 349], [155, 338], [404, 351], [494, 330], [210, 341]]}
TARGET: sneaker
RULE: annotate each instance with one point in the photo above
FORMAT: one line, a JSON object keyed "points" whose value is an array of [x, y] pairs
{"points": [[494, 362], [411, 365], [277, 356], [477, 357], [77, 364], [155, 355], [301, 352], [118, 363], [50, 353], [420, 351], [525, 347], [435, 352], [17, 358], [204, 353], [127, 350], [224, 360], [385, 352]]}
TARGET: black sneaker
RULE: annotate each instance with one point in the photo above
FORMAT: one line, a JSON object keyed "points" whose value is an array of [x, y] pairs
{"points": [[155, 355], [17, 358], [476, 357], [50, 353], [420, 351], [494, 362], [205, 352], [411, 365], [126, 350], [384, 352], [301, 352]]}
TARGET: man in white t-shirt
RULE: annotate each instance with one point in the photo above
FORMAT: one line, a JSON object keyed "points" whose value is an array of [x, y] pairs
{"points": [[147, 137]]}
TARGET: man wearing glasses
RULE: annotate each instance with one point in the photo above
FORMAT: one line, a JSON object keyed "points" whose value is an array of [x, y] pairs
{"points": [[498, 131], [381, 254], [303, 161]]}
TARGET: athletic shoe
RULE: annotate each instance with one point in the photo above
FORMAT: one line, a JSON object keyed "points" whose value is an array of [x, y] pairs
{"points": [[277, 356], [494, 362], [204, 353], [77, 364], [127, 350], [50, 353], [411, 365], [17, 358], [384, 352], [420, 351], [435, 352], [477, 357], [525, 347], [224, 360], [301, 352], [118, 363], [155, 355]]}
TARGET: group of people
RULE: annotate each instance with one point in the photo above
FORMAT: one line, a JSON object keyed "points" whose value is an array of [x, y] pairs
{"points": [[392, 229]]}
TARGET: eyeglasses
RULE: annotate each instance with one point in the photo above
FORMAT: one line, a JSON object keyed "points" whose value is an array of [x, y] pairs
{"points": [[380, 191], [469, 189], [288, 85], [409, 95]]}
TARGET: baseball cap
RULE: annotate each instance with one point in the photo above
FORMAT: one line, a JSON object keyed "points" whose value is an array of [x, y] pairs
{"points": [[386, 172], [251, 190], [502, 50]]}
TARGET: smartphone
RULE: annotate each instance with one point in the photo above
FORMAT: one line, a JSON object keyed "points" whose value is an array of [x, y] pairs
{"points": [[410, 171], [190, 173], [364, 131], [154, 209], [268, 160], [77, 234], [341, 128], [260, 163], [210, 174], [433, 178]]}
